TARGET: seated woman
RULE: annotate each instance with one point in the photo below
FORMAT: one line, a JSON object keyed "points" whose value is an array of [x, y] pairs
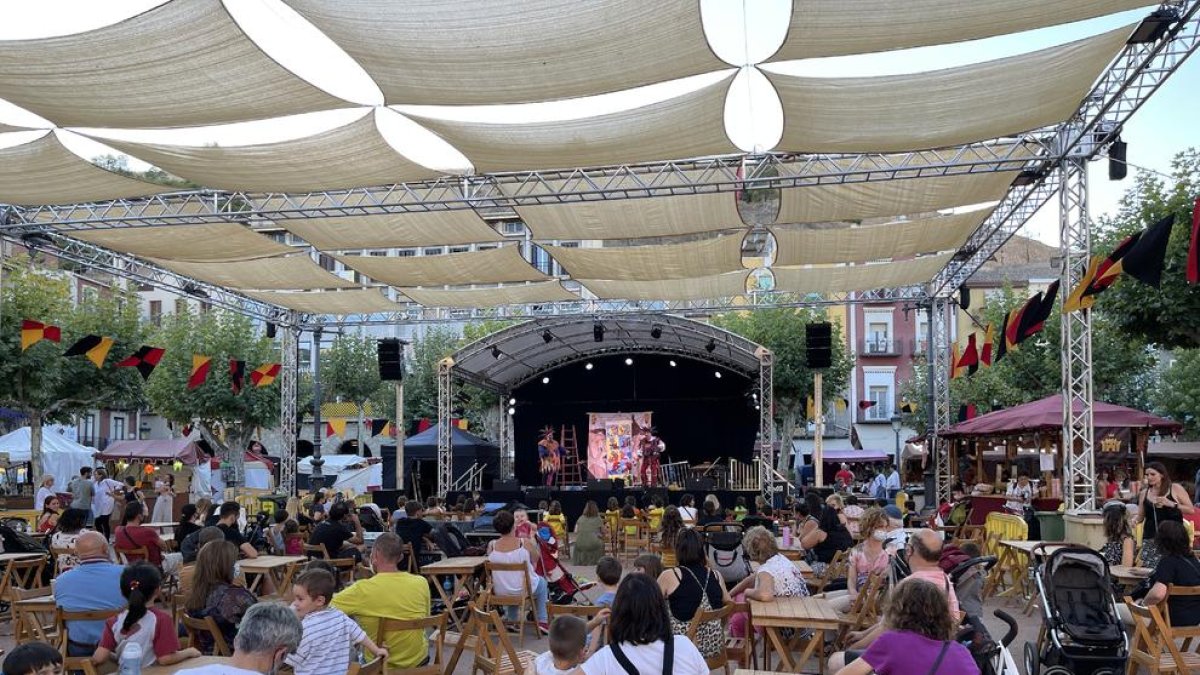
{"points": [[710, 512], [918, 637], [672, 523], [829, 536], [690, 587], [1118, 546], [588, 546], [70, 526], [776, 576], [214, 594], [508, 549], [51, 510], [868, 557], [639, 631], [1178, 567]]}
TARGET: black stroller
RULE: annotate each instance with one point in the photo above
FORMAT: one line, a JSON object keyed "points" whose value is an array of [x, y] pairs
{"points": [[1081, 631]]}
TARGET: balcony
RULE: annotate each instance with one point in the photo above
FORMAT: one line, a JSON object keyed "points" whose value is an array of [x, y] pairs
{"points": [[880, 412], [880, 346]]}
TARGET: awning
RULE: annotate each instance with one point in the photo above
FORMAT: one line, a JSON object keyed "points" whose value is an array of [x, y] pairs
{"points": [[804, 446], [1177, 450]]}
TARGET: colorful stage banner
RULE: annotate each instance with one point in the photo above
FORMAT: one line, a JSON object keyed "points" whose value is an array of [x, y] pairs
{"points": [[612, 443]]}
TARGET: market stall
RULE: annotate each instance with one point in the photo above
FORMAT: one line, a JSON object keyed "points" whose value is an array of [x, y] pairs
{"points": [[61, 458]]}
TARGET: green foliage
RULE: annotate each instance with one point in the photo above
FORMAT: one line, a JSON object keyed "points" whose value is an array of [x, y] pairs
{"points": [[350, 369], [1178, 395], [120, 164], [1168, 316]]}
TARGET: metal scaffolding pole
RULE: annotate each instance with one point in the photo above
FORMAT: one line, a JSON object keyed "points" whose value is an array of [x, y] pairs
{"points": [[1076, 342], [507, 458], [939, 391], [316, 480], [445, 437], [766, 423], [288, 376]]}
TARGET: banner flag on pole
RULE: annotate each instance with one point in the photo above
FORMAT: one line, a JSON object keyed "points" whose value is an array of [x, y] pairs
{"points": [[264, 375]]}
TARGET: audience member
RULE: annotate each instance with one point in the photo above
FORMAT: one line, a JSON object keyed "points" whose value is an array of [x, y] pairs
{"points": [[433, 506], [48, 519], [188, 517], [672, 523], [691, 587], [852, 514], [275, 531], [764, 518], [70, 526], [142, 623], [711, 512], [648, 564], [687, 509], [33, 658], [45, 489], [557, 521], [1118, 546], [1177, 566], [342, 540], [94, 584], [227, 521], [568, 647], [130, 492], [776, 576], [739, 508], [214, 594], [293, 541], [608, 571], [522, 528], [392, 593], [509, 550], [829, 537], [195, 541], [588, 528], [414, 530], [205, 513], [869, 557], [328, 634], [654, 513], [269, 632], [1159, 501], [612, 514], [133, 535], [82, 488], [104, 501]]}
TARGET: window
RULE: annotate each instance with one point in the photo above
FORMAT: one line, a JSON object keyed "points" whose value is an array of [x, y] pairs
{"points": [[118, 428], [432, 251], [878, 394], [88, 424], [879, 385], [487, 247], [378, 254], [569, 244], [406, 253], [541, 260], [514, 227], [327, 262], [920, 345], [181, 306], [156, 312], [459, 249], [878, 334]]}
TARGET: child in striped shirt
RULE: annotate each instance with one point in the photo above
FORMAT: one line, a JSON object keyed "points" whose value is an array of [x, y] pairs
{"points": [[329, 635]]}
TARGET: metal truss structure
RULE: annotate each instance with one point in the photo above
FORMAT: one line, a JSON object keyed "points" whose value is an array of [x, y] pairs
{"points": [[445, 447], [507, 456], [939, 391], [1079, 486], [765, 446], [288, 418]]}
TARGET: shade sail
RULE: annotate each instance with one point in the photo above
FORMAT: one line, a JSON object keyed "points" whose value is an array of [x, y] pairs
{"points": [[632, 218], [1047, 415], [8, 127], [45, 172], [360, 301], [204, 242], [688, 125], [281, 273], [845, 243], [494, 266], [942, 108], [354, 155], [832, 28], [727, 285], [649, 263], [179, 64], [393, 230], [517, 294], [831, 279], [513, 51], [857, 201]]}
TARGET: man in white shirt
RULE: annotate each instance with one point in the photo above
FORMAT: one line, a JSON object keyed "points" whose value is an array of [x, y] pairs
{"points": [[104, 501], [268, 632], [892, 482]]}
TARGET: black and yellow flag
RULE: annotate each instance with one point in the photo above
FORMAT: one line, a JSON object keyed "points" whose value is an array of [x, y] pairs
{"points": [[955, 370], [1001, 346], [381, 426], [985, 352], [1034, 318], [1144, 260], [94, 347], [1102, 272], [237, 375]]}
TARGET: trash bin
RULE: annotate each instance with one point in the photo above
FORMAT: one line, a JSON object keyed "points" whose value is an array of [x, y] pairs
{"points": [[1053, 528]]}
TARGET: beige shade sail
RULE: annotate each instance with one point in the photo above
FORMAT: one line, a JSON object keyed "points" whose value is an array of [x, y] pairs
{"points": [[942, 108], [845, 243], [296, 272], [354, 155], [516, 294], [494, 266], [393, 230], [204, 242], [685, 126], [178, 64], [729, 285], [857, 201], [512, 51], [361, 301], [651, 263], [44, 172], [8, 127], [834, 27], [633, 218], [831, 279]]}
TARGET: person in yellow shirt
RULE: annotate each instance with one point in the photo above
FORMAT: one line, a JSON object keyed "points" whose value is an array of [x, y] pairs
{"points": [[390, 594], [557, 522], [655, 514]]}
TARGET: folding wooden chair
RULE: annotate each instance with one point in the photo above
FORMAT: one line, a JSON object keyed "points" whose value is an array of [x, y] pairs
{"points": [[374, 667], [834, 570], [28, 624], [316, 551], [63, 618], [195, 627], [20, 574], [128, 556], [633, 542], [863, 611], [741, 649], [701, 617], [79, 664], [494, 653], [1154, 644], [437, 623], [522, 602], [56, 556]]}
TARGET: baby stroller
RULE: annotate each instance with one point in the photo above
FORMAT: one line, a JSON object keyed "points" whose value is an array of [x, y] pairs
{"points": [[993, 658], [1081, 630], [563, 588]]}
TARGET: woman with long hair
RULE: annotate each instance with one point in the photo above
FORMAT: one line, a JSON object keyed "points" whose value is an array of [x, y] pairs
{"points": [[188, 517], [691, 586], [829, 536], [1160, 501], [508, 549], [1118, 536], [45, 489], [672, 523], [141, 622], [868, 557], [588, 528], [164, 502], [70, 526], [51, 510], [1177, 566], [214, 594]]}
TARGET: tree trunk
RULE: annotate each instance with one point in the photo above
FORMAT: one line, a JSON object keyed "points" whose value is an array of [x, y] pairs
{"points": [[35, 453], [785, 441], [231, 452], [359, 435]]}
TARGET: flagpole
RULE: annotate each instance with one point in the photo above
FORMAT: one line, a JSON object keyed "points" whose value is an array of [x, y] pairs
{"points": [[818, 410]]}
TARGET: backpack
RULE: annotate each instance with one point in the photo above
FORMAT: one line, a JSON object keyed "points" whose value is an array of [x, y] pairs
{"points": [[726, 556], [958, 514], [450, 540], [16, 541]]}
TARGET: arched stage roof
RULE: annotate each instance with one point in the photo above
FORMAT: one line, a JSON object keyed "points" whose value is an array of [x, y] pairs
{"points": [[508, 359]]}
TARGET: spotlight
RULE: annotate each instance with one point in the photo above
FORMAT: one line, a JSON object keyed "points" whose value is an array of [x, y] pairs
{"points": [[496, 353], [711, 346], [194, 289], [1154, 27], [588, 366], [757, 407], [754, 395], [547, 336], [35, 239], [672, 362], [546, 380], [656, 332], [718, 374], [512, 410], [628, 361], [512, 401], [598, 332]]}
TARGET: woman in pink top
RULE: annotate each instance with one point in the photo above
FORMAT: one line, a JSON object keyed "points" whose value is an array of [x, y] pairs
{"points": [[509, 549], [868, 557]]}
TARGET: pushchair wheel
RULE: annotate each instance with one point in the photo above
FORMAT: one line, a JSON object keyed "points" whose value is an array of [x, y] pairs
{"points": [[1033, 664]]}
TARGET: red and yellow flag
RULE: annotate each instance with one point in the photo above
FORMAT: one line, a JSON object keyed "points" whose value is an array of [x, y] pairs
{"points": [[33, 332], [336, 427], [200, 366], [985, 352], [144, 359], [265, 374]]}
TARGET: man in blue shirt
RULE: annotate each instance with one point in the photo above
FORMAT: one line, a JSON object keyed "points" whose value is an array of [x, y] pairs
{"points": [[94, 584]]}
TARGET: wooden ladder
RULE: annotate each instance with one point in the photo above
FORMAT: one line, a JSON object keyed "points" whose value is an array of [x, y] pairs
{"points": [[572, 471]]}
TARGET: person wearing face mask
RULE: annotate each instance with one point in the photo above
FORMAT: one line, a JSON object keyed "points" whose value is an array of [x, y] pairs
{"points": [[268, 633], [868, 557]]}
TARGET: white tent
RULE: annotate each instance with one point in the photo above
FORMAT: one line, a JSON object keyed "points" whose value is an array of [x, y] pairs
{"points": [[349, 472], [61, 457]]}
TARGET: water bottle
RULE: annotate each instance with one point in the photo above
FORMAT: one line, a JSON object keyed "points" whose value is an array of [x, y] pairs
{"points": [[131, 659], [787, 536]]}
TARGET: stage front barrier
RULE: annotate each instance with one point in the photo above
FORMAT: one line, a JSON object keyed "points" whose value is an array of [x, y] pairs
{"points": [[674, 474], [743, 476]]}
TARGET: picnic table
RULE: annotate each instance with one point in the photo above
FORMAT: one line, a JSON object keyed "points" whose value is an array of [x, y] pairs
{"points": [[277, 566], [798, 613], [462, 569], [184, 665]]}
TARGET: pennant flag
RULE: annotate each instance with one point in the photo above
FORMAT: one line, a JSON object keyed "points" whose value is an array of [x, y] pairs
{"points": [[336, 427], [33, 332], [966, 412], [969, 359], [955, 371], [237, 375], [907, 406], [809, 408], [841, 404], [200, 366], [1029, 319], [144, 359], [94, 347], [1002, 345], [985, 352], [265, 374], [1012, 329], [1034, 318], [461, 424], [1144, 260], [1101, 273], [381, 426], [863, 405], [1193, 262]]}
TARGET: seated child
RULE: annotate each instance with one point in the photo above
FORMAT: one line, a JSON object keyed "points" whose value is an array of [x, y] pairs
{"points": [[293, 542], [608, 571], [739, 509], [328, 632], [522, 528], [150, 627], [648, 564], [568, 637], [654, 515], [33, 658]]}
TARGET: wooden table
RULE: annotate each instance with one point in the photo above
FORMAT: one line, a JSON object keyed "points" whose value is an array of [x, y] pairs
{"points": [[184, 665], [160, 526], [277, 566], [5, 557], [799, 613], [1129, 576], [463, 570], [1013, 560]]}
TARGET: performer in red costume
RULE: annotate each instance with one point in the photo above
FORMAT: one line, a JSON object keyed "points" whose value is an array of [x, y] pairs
{"points": [[652, 448]]}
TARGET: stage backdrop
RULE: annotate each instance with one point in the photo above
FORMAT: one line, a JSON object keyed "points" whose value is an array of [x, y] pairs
{"points": [[611, 452]]}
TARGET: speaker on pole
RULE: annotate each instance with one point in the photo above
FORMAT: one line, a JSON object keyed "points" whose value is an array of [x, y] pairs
{"points": [[391, 360], [1117, 168], [818, 340], [270, 330]]}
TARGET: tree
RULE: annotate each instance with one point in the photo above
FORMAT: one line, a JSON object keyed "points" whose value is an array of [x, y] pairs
{"points": [[420, 377], [350, 372], [225, 420], [1168, 316], [1178, 394], [782, 331], [43, 384]]}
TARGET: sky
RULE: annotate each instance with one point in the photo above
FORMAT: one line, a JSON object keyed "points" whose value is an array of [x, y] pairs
{"points": [[739, 31]]}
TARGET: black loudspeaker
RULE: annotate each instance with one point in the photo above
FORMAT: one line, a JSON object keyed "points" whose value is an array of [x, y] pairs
{"points": [[270, 330], [391, 360], [603, 484], [705, 483], [818, 340], [1117, 168], [535, 494], [506, 486], [964, 297]]}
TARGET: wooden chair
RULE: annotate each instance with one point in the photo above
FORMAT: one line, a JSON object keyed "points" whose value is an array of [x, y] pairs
{"points": [[437, 623], [374, 667], [62, 619], [406, 552], [522, 602], [28, 623], [316, 551], [635, 542], [56, 554], [494, 653], [741, 649], [834, 570], [701, 617], [79, 664], [195, 627], [20, 574], [1154, 644], [127, 556], [863, 611]]}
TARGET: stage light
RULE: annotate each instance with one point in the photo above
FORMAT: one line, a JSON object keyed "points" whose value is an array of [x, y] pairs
{"points": [[547, 336], [1154, 27], [754, 395], [598, 332], [711, 346], [718, 374], [757, 407], [588, 366], [545, 380], [512, 410], [628, 361], [656, 332], [496, 353], [512, 401], [672, 362]]}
